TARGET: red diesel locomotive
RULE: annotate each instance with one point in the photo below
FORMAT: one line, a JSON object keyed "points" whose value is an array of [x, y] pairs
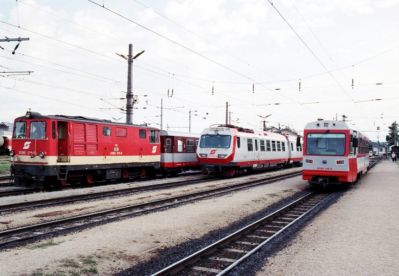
{"points": [[60, 150]]}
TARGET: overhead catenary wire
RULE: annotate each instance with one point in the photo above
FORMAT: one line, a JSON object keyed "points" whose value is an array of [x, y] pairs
{"points": [[309, 48]]}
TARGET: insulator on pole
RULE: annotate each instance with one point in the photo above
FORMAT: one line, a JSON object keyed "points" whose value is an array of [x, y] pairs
{"points": [[253, 88], [213, 88], [300, 85], [353, 83]]}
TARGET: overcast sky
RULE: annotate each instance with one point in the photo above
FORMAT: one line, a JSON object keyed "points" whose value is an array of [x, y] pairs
{"points": [[242, 50]]}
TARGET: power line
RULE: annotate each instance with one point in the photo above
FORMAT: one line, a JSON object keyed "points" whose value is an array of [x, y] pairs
{"points": [[308, 48], [187, 48]]}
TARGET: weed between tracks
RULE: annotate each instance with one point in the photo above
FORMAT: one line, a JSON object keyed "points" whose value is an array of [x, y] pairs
{"points": [[45, 244], [84, 265]]}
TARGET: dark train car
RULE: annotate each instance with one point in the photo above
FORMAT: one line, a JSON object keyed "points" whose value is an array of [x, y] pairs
{"points": [[58, 149], [178, 152]]}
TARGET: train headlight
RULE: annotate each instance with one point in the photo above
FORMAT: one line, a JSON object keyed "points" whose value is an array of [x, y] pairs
{"points": [[203, 155], [32, 155], [12, 153], [310, 161], [340, 162], [222, 155], [42, 155]]}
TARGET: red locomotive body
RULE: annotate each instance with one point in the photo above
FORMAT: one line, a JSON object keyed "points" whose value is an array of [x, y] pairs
{"points": [[62, 149]]}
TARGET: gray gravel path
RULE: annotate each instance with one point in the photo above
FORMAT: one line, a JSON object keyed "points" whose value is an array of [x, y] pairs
{"points": [[359, 235]]}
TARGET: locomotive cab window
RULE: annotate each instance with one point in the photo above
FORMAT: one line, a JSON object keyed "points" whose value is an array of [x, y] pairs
{"points": [[256, 144], [325, 144], [154, 136], [53, 130], [19, 130], [37, 130], [215, 141], [106, 131], [142, 133], [292, 146]]}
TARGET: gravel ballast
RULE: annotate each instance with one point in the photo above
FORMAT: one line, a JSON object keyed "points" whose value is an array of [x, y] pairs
{"points": [[116, 246], [358, 235]]}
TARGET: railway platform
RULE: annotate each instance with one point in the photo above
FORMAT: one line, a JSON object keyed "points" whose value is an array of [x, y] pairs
{"points": [[358, 235]]}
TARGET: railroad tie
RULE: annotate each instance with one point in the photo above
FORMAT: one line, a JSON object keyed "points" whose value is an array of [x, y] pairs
{"points": [[235, 250], [222, 259], [258, 237], [247, 243], [206, 269]]}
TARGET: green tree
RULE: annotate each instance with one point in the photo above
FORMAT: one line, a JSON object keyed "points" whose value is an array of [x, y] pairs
{"points": [[393, 137]]}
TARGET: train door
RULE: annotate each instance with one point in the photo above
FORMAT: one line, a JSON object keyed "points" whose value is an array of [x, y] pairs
{"points": [[63, 139], [169, 149]]}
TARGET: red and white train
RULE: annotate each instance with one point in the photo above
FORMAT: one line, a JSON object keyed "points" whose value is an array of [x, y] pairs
{"points": [[58, 149], [229, 150], [334, 153]]}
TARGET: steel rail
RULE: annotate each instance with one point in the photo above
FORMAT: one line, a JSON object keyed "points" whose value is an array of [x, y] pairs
{"points": [[38, 231], [13, 207]]}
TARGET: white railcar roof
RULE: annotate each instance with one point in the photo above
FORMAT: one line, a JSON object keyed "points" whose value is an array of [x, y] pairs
{"points": [[327, 124]]}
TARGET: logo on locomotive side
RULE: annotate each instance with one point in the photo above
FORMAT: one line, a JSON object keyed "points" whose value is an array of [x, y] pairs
{"points": [[26, 145], [154, 149]]}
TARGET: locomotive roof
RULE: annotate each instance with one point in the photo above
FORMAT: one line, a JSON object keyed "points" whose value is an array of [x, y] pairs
{"points": [[36, 115]]}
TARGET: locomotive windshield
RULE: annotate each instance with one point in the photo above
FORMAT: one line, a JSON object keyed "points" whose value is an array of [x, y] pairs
{"points": [[325, 144], [37, 130], [19, 130], [215, 141]]}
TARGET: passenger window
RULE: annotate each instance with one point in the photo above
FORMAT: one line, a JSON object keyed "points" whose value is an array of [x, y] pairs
{"points": [[278, 146], [262, 145], [282, 146], [256, 144], [273, 145], [179, 145], [37, 130], [106, 131], [190, 146], [250, 145], [20, 130], [238, 142], [142, 134], [292, 146], [268, 148]]}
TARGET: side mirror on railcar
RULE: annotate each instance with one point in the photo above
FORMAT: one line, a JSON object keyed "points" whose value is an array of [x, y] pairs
{"points": [[355, 142]]}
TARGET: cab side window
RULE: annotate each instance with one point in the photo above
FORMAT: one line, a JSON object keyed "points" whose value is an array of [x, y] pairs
{"points": [[19, 130]]}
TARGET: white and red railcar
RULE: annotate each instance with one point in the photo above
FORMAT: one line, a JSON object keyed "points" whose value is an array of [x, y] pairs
{"points": [[178, 152], [334, 153], [228, 150]]}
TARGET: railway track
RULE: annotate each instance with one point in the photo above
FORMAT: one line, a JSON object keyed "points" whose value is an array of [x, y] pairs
{"points": [[16, 191], [228, 252], [26, 234], [20, 206]]}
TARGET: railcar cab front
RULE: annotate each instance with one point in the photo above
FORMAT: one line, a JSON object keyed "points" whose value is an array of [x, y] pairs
{"points": [[333, 153]]}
